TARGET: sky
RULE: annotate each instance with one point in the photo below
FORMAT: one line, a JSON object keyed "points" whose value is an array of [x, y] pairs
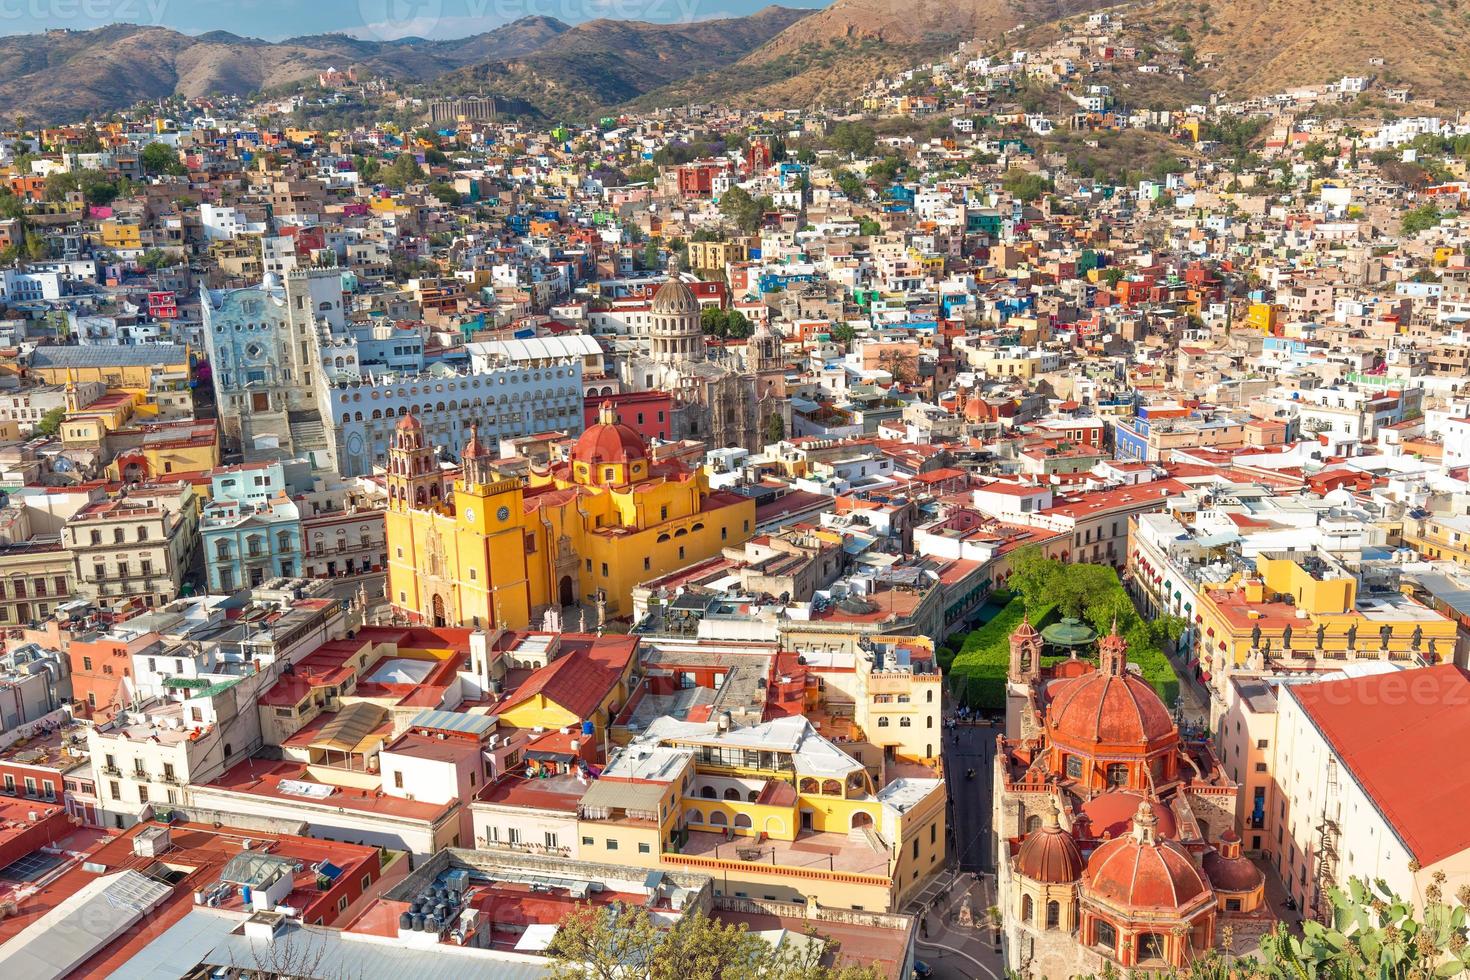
{"points": [[370, 19]]}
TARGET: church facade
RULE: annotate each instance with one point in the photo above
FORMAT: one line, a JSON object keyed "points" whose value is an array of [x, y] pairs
{"points": [[482, 550], [1116, 829], [725, 403]]}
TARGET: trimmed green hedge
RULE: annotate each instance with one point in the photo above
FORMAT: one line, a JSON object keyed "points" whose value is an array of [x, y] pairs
{"points": [[977, 671], [977, 676]]}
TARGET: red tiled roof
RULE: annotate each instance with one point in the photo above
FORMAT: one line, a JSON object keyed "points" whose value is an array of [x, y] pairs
{"points": [[1371, 721]]}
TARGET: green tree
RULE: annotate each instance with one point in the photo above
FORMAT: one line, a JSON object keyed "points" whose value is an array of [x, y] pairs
{"points": [[854, 139], [869, 227], [50, 423], [843, 333], [446, 193], [160, 158], [1423, 217], [851, 185], [619, 942], [1025, 186], [404, 170], [745, 211], [775, 427]]}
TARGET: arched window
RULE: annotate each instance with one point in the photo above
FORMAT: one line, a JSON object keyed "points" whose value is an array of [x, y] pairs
{"points": [[708, 792], [717, 819], [694, 816], [1053, 914], [883, 721], [809, 785], [831, 787], [731, 793], [742, 820], [752, 796], [903, 722], [1033, 822], [1025, 908]]}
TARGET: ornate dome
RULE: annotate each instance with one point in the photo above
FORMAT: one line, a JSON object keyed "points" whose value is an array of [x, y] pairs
{"points": [[1111, 705], [1102, 707], [1228, 871], [609, 441], [409, 423], [1140, 871], [1111, 815], [1049, 854], [1025, 631], [675, 298]]}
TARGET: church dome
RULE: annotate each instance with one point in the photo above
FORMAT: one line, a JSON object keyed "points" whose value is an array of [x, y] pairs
{"points": [[1111, 815], [409, 423], [1049, 854], [609, 441], [1228, 870], [675, 298], [1140, 871], [1116, 709]]}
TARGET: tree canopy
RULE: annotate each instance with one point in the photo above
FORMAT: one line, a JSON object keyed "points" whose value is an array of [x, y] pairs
{"points": [[619, 942]]}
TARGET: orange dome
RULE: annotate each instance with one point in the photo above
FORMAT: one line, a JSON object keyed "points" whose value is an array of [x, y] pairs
{"points": [[409, 423], [1109, 708], [1111, 815], [1140, 871], [1228, 871], [979, 410], [609, 441], [1049, 854]]}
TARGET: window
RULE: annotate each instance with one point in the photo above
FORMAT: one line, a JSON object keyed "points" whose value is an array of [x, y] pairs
{"points": [[612, 845], [550, 839], [1074, 767], [142, 794], [1053, 915], [586, 841], [367, 882], [643, 848], [1026, 907], [397, 779], [342, 904]]}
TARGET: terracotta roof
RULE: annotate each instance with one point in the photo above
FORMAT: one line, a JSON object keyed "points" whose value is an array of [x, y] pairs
{"points": [[1370, 721]]}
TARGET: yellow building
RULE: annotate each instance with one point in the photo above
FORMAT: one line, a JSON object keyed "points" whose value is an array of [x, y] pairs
{"points": [[493, 551], [121, 235], [1262, 317], [1306, 611], [773, 812]]}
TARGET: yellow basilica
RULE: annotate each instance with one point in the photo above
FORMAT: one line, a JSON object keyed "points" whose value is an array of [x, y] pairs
{"points": [[498, 551]]}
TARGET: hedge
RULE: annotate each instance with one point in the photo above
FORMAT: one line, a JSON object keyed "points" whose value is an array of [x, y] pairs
{"points": [[977, 672], [977, 677]]}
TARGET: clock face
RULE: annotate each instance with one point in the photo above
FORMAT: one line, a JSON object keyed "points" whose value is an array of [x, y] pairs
{"points": [[503, 513]]}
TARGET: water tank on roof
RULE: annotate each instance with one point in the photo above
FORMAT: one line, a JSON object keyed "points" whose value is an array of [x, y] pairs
{"points": [[405, 921], [588, 728]]}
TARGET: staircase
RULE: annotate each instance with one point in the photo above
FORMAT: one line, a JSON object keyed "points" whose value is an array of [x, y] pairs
{"points": [[307, 432]]}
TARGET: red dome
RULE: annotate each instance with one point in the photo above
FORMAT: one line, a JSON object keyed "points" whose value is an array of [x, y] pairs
{"points": [[1139, 871], [409, 423], [1228, 871], [1049, 855], [1111, 815], [979, 410], [609, 441], [1109, 708], [1025, 630]]}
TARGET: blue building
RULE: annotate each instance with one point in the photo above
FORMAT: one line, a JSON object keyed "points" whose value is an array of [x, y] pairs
{"points": [[251, 529]]}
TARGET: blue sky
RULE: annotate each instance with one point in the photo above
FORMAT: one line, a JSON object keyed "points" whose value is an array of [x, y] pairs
{"points": [[377, 19]]}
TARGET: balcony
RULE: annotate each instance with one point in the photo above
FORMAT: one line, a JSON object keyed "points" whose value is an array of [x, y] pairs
{"points": [[111, 771]]}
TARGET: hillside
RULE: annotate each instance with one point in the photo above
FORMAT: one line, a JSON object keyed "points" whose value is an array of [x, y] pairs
{"points": [[604, 63], [66, 76], [837, 50], [1256, 47]]}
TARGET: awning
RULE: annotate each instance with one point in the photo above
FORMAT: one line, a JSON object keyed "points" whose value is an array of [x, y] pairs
{"points": [[613, 794], [351, 729], [537, 937]]}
